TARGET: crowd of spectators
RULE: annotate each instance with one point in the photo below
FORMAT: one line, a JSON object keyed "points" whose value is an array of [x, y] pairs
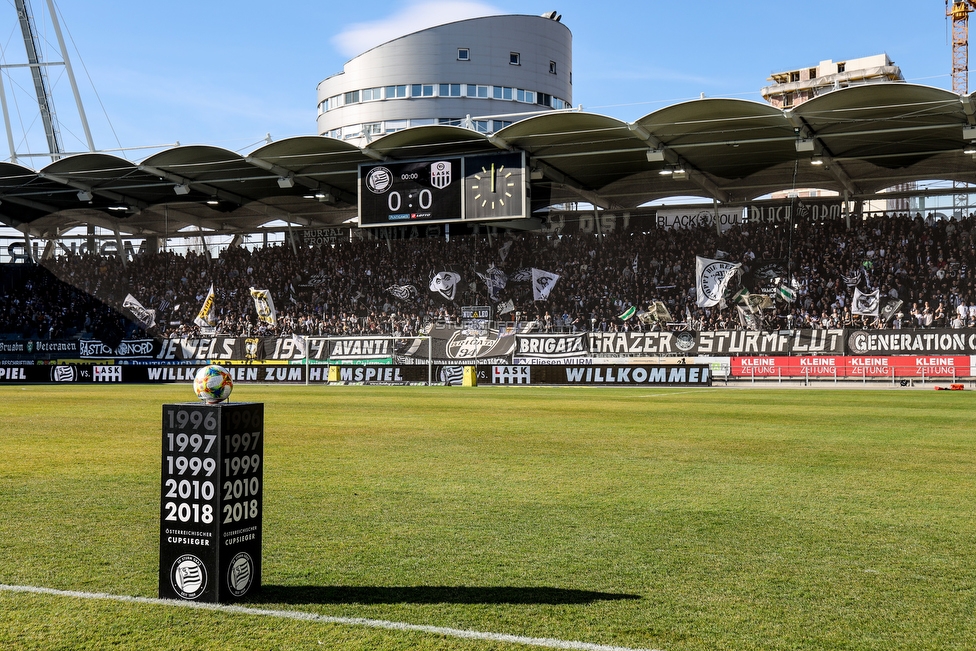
{"points": [[345, 288]]}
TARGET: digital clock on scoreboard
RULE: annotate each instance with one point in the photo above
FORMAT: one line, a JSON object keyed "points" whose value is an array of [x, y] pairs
{"points": [[450, 189]]}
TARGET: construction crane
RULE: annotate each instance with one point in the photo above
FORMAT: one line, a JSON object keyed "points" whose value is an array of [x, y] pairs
{"points": [[958, 11]]}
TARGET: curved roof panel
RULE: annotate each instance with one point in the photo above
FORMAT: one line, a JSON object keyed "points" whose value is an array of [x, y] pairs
{"points": [[868, 138]]}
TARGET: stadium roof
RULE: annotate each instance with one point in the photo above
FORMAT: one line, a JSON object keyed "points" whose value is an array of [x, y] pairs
{"points": [[868, 138]]}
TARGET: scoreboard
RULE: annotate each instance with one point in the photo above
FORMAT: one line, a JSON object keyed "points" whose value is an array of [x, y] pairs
{"points": [[447, 189]]}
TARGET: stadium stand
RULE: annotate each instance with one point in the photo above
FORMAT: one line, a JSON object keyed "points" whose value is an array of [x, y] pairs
{"points": [[345, 289]]}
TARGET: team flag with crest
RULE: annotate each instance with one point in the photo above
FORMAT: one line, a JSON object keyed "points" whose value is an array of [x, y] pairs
{"points": [[264, 306], [205, 315], [711, 279], [542, 284]]}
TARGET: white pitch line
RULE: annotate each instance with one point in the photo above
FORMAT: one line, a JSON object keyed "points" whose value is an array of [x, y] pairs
{"points": [[550, 643]]}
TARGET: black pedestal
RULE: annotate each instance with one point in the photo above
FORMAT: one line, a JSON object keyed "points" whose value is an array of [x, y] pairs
{"points": [[211, 501]]}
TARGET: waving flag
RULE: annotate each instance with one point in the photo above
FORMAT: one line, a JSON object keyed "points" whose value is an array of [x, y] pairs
{"points": [[264, 306], [205, 315], [711, 279], [143, 316], [495, 279], [445, 283], [866, 303], [542, 284]]}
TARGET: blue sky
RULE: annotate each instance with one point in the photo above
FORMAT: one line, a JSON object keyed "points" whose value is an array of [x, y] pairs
{"points": [[228, 73]]}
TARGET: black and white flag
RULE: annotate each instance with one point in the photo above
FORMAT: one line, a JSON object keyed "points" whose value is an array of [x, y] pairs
{"points": [[402, 292], [495, 280], [711, 279], [506, 307], [143, 316], [504, 249], [749, 319], [445, 283], [866, 304], [888, 309], [521, 276], [542, 284], [853, 280]]}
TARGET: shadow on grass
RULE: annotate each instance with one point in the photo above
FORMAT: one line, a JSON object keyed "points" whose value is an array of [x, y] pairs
{"points": [[308, 594]]}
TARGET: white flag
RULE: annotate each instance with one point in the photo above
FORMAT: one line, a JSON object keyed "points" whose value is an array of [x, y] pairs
{"points": [[542, 284], [264, 306], [144, 316], [205, 315], [866, 304], [711, 278], [445, 283]]}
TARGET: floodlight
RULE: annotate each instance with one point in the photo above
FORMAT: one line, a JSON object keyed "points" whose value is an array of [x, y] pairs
{"points": [[805, 144]]}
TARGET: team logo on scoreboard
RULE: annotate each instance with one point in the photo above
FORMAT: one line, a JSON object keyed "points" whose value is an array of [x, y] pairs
{"points": [[440, 174], [63, 374], [188, 576], [240, 573], [379, 180]]}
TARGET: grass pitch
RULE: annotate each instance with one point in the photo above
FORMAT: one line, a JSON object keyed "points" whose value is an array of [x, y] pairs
{"points": [[671, 519]]}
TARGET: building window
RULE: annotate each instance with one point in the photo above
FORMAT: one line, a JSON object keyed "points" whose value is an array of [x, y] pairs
{"points": [[395, 125], [370, 94], [527, 96], [841, 67], [422, 90], [352, 97], [552, 67], [477, 91], [543, 99], [373, 128], [813, 73], [788, 100], [501, 92], [795, 76], [452, 122], [514, 59], [481, 126], [395, 92], [464, 54], [449, 90]]}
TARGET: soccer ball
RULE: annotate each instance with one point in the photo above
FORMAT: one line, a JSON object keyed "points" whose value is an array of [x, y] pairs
{"points": [[212, 384]]}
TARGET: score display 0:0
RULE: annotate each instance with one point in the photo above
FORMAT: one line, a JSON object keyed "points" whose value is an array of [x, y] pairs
{"points": [[420, 198]]}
